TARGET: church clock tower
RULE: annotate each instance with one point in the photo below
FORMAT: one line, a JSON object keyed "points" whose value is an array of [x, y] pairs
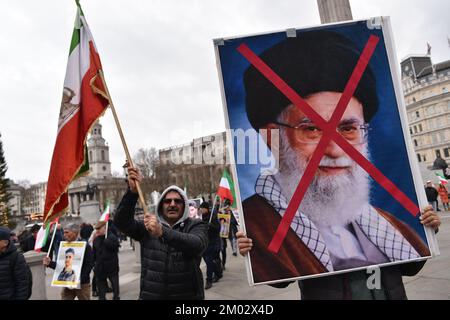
{"points": [[98, 150]]}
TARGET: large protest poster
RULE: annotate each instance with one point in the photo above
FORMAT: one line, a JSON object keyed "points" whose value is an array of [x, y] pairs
{"points": [[68, 264], [327, 178]]}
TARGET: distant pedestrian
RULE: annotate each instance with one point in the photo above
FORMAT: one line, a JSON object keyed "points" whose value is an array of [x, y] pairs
{"points": [[86, 230], [15, 274], [106, 257], [13, 238], [72, 233], [443, 194], [212, 252]]}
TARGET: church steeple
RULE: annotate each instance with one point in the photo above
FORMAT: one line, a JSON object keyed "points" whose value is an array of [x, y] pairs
{"points": [[98, 149]]}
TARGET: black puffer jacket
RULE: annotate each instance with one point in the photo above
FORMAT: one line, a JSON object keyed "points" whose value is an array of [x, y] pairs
{"points": [[14, 284], [170, 265], [106, 255]]}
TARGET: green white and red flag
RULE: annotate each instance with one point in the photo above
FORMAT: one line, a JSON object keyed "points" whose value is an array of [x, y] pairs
{"points": [[226, 188], [43, 235], [106, 213], [441, 177], [83, 102]]}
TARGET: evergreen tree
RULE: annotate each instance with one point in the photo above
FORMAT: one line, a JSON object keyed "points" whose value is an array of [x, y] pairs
{"points": [[4, 195]]}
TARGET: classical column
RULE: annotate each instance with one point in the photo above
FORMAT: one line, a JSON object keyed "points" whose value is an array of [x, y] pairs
{"points": [[334, 10], [77, 197], [72, 208]]}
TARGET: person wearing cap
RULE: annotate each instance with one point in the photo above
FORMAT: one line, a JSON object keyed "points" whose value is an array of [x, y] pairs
{"points": [[15, 274], [335, 227], [172, 244], [211, 255], [106, 258], [72, 233]]}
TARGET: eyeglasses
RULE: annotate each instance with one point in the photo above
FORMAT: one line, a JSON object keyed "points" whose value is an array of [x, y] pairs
{"points": [[354, 131], [176, 200]]}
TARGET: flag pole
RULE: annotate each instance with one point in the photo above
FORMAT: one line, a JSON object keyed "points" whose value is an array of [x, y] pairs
{"points": [[53, 238], [212, 209], [106, 232], [125, 147]]}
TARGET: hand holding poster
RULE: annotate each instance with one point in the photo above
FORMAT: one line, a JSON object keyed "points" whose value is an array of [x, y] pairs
{"points": [[341, 190], [68, 264]]}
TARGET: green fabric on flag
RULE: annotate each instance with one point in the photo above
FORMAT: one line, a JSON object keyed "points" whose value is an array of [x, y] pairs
{"points": [[231, 183]]}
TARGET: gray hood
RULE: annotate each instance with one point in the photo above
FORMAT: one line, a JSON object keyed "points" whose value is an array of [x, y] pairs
{"points": [[159, 206]]}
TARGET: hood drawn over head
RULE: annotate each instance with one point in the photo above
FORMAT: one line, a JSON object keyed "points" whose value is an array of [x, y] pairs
{"points": [[185, 214]]}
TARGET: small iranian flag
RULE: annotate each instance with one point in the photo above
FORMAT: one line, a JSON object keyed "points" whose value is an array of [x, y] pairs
{"points": [[83, 102], [226, 188], [43, 236], [105, 214], [441, 178]]}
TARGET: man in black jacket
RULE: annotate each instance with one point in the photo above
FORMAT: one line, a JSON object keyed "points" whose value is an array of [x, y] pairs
{"points": [[15, 274], [211, 255], [71, 233], [171, 244], [106, 257]]}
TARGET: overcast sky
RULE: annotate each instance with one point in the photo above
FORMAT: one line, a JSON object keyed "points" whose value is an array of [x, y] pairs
{"points": [[159, 63]]}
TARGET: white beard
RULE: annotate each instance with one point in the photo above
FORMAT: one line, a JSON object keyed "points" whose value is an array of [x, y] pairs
{"points": [[329, 200]]}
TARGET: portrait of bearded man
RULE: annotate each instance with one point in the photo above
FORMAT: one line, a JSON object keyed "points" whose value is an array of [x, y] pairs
{"points": [[335, 228]]}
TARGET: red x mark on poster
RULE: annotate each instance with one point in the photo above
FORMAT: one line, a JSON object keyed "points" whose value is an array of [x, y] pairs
{"points": [[329, 134]]}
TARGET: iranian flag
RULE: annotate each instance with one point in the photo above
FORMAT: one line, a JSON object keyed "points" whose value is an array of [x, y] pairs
{"points": [[105, 214], [83, 102], [441, 178], [43, 236], [226, 188]]}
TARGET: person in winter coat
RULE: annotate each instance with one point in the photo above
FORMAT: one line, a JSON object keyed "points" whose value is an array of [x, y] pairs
{"points": [[15, 274], [106, 258], [86, 230], [212, 252], [443, 194], [72, 233], [432, 195], [172, 244], [28, 243]]}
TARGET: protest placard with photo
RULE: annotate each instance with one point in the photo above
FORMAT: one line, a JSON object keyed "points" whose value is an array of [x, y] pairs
{"points": [[68, 264], [326, 176]]}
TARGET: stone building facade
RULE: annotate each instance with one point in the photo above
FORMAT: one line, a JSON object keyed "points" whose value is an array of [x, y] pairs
{"points": [[426, 88], [196, 166]]}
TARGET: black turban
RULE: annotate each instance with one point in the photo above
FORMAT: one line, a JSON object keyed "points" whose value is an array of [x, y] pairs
{"points": [[312, 62]]}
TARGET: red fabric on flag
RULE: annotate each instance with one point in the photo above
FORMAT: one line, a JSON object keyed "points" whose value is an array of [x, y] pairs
{"points": [[68, 154], [224, 193]]}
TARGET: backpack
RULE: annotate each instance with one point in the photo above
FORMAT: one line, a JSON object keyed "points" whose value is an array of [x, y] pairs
{"points": [[12, 264]]}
